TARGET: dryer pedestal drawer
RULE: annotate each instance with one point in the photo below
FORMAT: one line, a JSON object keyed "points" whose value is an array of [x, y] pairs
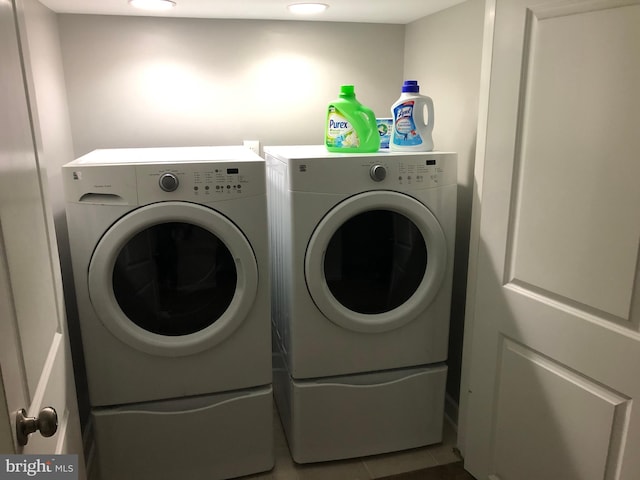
{"points": [[360, 415], [208, 437]]}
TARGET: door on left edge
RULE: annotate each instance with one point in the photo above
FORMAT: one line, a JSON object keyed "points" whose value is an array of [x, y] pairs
{"points": [[35, 362]]}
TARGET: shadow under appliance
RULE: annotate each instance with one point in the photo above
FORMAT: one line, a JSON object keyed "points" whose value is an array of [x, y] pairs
{"points": [[169, 256], [362, 263]]}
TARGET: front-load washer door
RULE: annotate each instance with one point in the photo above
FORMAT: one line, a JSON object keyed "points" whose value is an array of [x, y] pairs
{"points": [[172, 278], [375, 261]]}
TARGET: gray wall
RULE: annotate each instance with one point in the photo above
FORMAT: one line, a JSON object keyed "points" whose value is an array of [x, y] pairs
{"points": [[143, 81], [136, 81], [443, 52]]}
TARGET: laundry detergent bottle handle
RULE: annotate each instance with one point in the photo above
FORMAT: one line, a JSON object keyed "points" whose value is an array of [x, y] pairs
{"points": [[350, 126], [410, 130]]}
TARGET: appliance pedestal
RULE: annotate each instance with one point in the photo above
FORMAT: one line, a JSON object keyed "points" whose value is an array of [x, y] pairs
{"points": [[359, 415], [210, 437]]}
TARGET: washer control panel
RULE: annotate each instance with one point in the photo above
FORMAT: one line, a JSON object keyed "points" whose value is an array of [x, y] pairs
{"points": [[168, 182], [199, 182]]}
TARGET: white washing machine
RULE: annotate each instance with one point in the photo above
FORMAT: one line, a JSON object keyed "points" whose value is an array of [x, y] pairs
{"points": [[170, 261], [362, 262]]}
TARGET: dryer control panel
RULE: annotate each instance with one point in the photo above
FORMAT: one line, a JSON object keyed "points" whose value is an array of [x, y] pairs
{"points": [[199, 182], [312, 169], [419, 173]]}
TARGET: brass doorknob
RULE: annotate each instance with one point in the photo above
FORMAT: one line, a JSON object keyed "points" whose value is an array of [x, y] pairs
{"points": [[46, 422]]}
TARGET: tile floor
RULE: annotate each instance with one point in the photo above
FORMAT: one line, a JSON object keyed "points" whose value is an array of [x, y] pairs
{"points": [[366, 468]]}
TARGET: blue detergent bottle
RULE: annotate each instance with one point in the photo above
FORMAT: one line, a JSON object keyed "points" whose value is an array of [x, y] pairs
{"points": [[410, 130]]}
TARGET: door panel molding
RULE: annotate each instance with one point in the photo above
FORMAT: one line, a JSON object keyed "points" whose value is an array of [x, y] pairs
{"points": [[627, 326], [571, 7], [553, 410], [554, 210]]}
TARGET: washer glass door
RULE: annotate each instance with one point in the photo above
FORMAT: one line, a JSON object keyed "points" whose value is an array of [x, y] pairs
{"points": [[172, 278], [375, 261]]}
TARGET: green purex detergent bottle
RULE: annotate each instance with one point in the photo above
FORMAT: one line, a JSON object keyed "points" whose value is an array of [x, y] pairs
{"points": [[350, 126]]}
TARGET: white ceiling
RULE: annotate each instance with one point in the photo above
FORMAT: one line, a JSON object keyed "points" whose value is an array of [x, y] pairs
{"points": [[361, 11]]}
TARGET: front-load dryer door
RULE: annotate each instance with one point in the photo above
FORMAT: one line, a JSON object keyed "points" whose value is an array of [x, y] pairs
{"points": [[172, 278], [375, 261]]}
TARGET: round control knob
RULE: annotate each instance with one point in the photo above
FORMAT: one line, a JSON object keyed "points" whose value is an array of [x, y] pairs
{"points": [[168, 182], [378, 173]]}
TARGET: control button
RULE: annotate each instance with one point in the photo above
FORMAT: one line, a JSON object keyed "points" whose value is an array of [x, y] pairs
{"points": [[168, 182], [378, 173]]}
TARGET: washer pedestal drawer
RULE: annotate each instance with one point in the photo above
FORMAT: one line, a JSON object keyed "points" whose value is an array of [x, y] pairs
{"points": [[359, 415], [207, 437]]}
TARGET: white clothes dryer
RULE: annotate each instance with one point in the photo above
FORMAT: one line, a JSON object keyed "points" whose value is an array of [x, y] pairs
{"points": [[170, 262], [362, 264]]}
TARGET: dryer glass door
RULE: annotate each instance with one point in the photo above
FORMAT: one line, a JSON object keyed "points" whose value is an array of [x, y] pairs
{"points": [[376, 261], [172, 278]]}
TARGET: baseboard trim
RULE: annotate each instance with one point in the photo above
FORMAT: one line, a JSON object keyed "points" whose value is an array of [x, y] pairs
{"points": [[89, 444], [451, 411]]}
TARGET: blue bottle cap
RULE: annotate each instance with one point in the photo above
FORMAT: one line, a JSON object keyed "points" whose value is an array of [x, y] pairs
{"points": [[410, 86]]}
